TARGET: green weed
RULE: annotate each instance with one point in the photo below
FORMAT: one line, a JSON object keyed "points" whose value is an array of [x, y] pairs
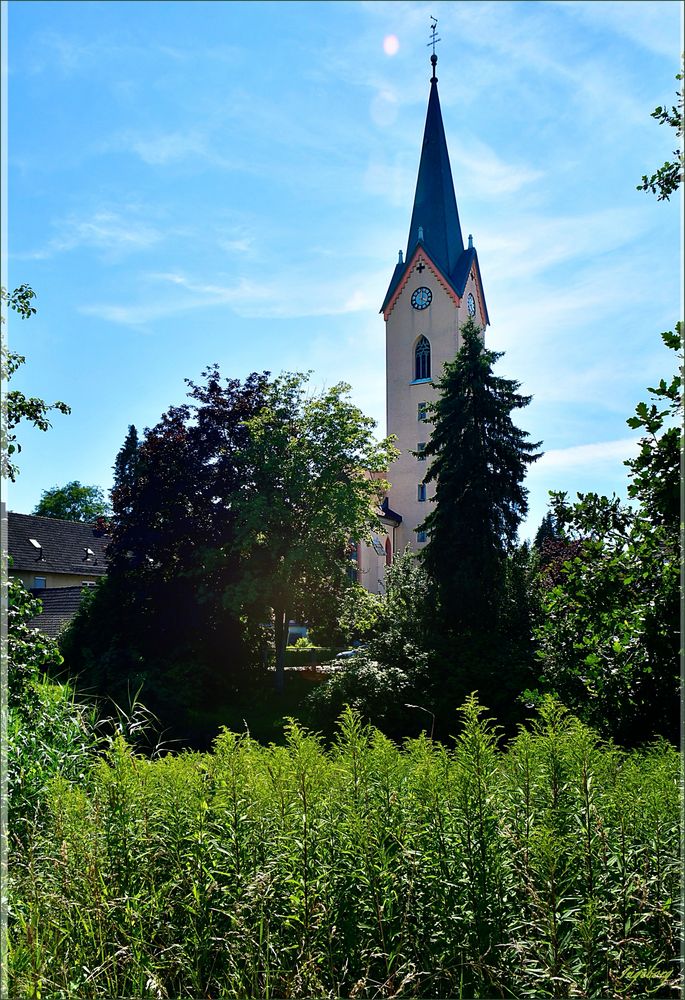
{"points": [[548, 868]]}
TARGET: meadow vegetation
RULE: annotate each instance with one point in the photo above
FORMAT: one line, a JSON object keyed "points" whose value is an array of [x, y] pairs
{"points": [[544, 868]]}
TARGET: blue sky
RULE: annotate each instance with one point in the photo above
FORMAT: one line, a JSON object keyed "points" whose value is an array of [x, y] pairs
{"points": [[192, 183]]}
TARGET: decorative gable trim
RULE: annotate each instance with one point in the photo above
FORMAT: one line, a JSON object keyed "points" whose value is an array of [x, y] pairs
{"points": [[475, 274], [420, 254]]}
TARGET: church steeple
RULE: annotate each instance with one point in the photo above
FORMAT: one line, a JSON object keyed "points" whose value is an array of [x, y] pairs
{"points": [[435, 205], [435, 229], [433, 291]]}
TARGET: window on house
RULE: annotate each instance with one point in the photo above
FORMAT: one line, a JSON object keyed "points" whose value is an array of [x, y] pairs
{"points": [[421, 536], [420, 448], [87, 583], [39, 583], [38, 547], [423, 413], [422, 492], [388, 552], [353, 564], [422, 359]]}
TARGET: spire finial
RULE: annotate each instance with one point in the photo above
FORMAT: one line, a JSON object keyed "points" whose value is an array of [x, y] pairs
{"points": [[433, 42]]}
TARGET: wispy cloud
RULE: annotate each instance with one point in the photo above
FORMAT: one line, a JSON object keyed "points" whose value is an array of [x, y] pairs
{"points": [[161, 148], [641, 22], [535, 243], [71, 53], [479, 172], [183, 296], [166, 147], [483, 172], [246, 297], [585, 456], [103, 230]]}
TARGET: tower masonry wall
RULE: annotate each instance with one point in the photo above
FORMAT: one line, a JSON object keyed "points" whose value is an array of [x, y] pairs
{"points": [[440, 324]]}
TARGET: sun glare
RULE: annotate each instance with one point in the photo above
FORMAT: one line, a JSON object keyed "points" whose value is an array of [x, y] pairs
{"points": [[391, 45]]}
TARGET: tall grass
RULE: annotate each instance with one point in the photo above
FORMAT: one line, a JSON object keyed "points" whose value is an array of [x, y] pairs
{"points": [[547, 869]]}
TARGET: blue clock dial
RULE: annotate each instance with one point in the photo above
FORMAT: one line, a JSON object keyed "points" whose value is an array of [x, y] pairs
{"points": [[421, 298]]}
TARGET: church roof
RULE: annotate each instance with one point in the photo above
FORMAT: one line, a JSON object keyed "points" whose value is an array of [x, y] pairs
{"points": [[388, 513], [435, 219], [435, 204]]}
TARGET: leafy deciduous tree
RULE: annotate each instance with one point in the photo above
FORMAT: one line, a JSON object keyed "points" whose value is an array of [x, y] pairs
{"points": [[159, 617], [29, 651], [668, 178], [311, 484], [609, 635], [73, 502]]}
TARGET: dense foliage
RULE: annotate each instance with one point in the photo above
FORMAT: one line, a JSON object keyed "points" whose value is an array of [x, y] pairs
{"points": [[158, 620], [478, 462], [308, 487], [73, 502], [410, 672], [29, 652], [548, 869], [234, 511], [393, 665], [609, 629]]}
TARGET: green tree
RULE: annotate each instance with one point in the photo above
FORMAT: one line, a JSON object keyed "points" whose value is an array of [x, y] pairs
{"points": [[479, 462], [125, 467], [17, 407], [609, 637], [547, 532], [159, 618], [73, 502], [654, 473], [29, 651], [668, 178], [390, 680], [312, 482]]}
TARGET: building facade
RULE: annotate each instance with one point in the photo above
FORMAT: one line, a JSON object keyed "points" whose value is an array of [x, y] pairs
{"points": [[435, 287]]}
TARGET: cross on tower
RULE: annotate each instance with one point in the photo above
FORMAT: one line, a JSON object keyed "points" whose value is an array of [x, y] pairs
{"points": [[420, 267]]}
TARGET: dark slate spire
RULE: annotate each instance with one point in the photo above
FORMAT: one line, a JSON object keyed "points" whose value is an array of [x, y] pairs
{"points": [[435, 205]]}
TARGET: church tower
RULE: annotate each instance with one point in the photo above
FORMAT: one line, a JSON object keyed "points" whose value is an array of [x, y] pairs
{"points": [[432, 292]]}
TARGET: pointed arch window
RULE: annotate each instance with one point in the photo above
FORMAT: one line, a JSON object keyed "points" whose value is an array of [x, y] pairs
{"points": [[422, 359]]}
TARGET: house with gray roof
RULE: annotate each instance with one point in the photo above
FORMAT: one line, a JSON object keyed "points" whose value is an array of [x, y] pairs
{"points": [[46, 552], [55, 560]]}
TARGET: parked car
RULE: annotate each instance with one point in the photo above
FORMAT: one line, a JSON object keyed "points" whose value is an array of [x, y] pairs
{"points": [[347, 653]]}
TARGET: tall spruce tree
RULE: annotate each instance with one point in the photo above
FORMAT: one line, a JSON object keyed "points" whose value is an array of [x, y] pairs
{"points": [[479, 464]]}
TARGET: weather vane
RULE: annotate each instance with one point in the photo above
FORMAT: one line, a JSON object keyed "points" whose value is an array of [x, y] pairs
{"points": [[434, 29]]}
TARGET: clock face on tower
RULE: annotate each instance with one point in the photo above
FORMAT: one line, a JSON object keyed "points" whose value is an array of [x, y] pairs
{"points": [[421, 298], [471, 305]]}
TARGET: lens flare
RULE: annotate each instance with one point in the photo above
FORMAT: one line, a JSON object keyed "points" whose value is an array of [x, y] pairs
{"points": [[391, 45]]}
